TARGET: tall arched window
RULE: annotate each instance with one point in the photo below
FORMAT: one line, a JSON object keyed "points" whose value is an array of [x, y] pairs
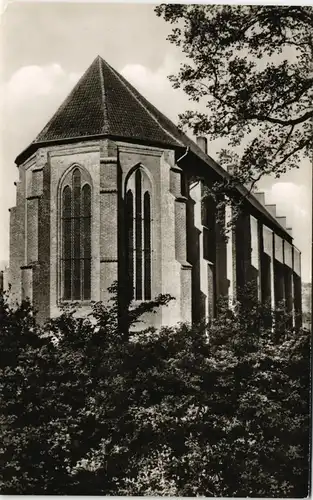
{"points": [[138, 221], [76, 236]]}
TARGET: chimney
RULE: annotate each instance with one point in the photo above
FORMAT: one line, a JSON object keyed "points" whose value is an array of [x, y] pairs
{"points": [[260, 196], [282, 221], [202, 142], [271, 209]]}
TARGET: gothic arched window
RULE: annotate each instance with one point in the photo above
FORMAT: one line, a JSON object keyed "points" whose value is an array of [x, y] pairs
{"points": [[138, 221], [76, 237]]}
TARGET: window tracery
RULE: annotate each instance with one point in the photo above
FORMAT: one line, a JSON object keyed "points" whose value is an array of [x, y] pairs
{"points": [[76, 236], [139, 222]]}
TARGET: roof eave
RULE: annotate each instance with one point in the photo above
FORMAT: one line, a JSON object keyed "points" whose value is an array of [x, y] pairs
{"points": [[195, 150], [243, 191], [32, 148]]}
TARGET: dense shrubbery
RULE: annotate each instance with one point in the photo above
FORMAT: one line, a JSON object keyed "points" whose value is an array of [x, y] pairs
{"points": [[89, 409]]}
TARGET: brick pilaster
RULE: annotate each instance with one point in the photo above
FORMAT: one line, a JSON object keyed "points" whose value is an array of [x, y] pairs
{"points": [[180, 214], [109, 216]]}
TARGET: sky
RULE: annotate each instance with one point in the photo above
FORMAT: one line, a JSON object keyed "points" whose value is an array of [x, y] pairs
{"points": [[46, 46]]}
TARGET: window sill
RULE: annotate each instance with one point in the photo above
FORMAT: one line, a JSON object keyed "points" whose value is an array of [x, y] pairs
{"points": [[136, 302], [78, 303]]}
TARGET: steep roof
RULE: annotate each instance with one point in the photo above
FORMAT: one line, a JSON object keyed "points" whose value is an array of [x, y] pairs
{"points": [[103, 103]]}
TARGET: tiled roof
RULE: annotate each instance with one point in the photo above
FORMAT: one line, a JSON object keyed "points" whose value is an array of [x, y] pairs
{"points": [[103, 103]]}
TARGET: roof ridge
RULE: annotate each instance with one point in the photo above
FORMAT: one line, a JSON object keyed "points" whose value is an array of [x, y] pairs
{"points": [[105, 127], [129, 87]]}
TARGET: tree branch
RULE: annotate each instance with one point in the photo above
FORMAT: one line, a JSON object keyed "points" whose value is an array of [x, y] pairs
{"points": [[295, 150], [279, 121], [285, 141]]}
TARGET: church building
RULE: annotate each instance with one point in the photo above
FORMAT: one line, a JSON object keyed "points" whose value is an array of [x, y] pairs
{"points": [[111, 190]]}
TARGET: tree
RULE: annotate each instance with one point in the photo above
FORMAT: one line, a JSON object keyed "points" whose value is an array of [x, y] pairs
{"points": [[62, 394], [251, 66], [225, 410], [218, 411]]}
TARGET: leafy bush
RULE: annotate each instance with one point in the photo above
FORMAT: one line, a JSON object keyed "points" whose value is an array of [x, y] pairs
{"points": [[90, 407]]}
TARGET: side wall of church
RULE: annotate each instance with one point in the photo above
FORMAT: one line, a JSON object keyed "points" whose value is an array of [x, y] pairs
{"points": [[60, 161], [190, 260], [171, 273], [29, 236], [17, 236], [253, 253], [36, 233]]}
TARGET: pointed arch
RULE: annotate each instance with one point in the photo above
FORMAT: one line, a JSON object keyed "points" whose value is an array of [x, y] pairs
{"points": [[75, 271], [138, 226]]}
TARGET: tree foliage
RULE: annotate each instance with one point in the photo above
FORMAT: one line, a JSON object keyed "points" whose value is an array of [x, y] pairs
{"points": [[251, 67], [219, 410]]}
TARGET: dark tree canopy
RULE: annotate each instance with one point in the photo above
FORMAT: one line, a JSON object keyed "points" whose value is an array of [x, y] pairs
{"points": [[251, 66], [88, 408]]}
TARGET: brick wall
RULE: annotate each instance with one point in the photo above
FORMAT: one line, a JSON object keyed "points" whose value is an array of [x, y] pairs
{"points": [[60, 159], [191, 260]]}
